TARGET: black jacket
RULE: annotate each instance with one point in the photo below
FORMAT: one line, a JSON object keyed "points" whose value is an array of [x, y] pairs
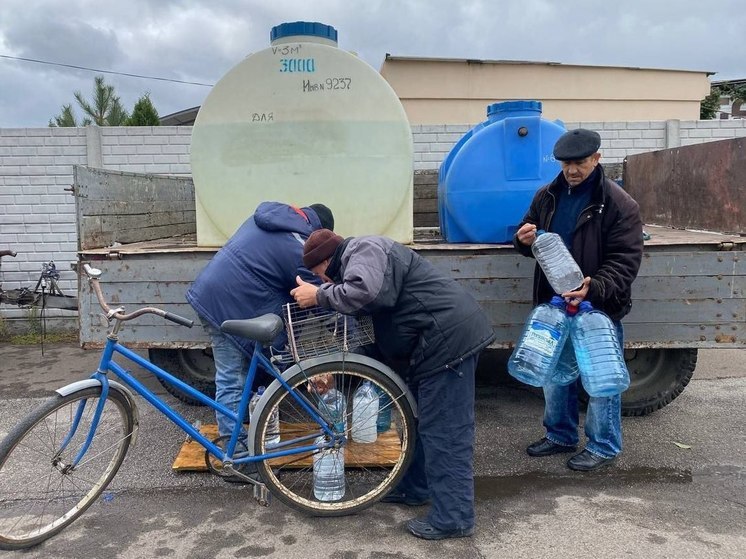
{"points": [[424, 322], [607, 243]]}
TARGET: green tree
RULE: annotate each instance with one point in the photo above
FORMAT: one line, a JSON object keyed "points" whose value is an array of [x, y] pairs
{"points": [[144, 113], [67, 118], [105, 109], [710, 105]]}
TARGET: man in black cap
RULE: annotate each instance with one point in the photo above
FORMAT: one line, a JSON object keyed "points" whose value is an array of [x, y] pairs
{"points": [[251, 275], [601, 225]]}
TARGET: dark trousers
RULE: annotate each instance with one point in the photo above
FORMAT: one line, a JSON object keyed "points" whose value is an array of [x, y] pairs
{"points": [[443, 465]]}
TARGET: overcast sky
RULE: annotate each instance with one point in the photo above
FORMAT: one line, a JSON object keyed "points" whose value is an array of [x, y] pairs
{"points": [[200, 40]]}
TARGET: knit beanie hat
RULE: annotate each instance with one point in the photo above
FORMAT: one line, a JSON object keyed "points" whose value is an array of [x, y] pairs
{"points": [[320, 245], [325, 216]]}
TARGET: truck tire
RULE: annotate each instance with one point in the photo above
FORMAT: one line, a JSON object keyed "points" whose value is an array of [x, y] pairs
{"points": [[657, 377], [195, 367]]}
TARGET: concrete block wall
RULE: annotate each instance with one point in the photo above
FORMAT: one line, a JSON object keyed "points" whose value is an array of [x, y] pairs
{"points": [[37, 214]]}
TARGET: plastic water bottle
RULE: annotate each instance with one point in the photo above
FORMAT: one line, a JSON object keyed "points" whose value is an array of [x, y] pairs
{"points": [[538, 349], [557, 263], [329, 473], [600, 358], [333, 407], [385, 404], [364, 413], [273, 429], [567, 371]]}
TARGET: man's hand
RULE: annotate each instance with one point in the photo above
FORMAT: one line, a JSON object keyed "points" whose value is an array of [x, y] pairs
{"points": [[526, 235], [320, 384], [574, 298], [305, 293]]}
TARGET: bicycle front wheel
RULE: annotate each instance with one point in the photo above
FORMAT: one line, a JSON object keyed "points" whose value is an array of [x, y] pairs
{"points": [[40, 491], [334, 479]]}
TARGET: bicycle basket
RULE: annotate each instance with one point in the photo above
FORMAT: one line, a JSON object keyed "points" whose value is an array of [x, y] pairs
{"points": [[314, 332]]}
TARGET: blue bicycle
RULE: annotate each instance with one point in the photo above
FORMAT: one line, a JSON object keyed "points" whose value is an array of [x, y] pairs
{"points": [[59, 459]]}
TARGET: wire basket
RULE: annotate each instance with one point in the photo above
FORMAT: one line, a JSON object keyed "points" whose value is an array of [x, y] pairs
{"points": [[314, 332]]}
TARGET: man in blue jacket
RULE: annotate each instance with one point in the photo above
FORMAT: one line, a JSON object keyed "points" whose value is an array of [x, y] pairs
{"points": [[251, 275], [430, 331]]}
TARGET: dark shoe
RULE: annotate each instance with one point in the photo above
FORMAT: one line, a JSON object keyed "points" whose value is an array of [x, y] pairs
{"points": [[248, 469], [587, 462], [423, 529], [400, 498], [545, 447]]}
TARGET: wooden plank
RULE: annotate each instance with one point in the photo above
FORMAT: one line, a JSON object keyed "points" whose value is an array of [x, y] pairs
{"points": [[384, 452]]}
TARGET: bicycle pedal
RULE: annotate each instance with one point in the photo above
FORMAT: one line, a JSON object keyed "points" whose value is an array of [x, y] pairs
{"points": [[262, 494]]}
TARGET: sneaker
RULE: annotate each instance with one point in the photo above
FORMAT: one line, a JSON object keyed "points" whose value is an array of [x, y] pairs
{"points": [[423, 529], [399, 498]]}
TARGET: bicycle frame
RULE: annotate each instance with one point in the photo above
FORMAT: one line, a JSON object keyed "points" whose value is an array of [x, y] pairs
{"points": [[228, 455]]}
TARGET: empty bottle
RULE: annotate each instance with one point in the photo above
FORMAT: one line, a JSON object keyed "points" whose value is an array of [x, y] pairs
{"points": [[385, 404], [566, 372], [364, 413], [603, 371], [558, 265], [538, 349], [273, 428], [328, 473]]}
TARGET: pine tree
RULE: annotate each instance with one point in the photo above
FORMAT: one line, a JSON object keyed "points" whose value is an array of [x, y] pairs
{"points": [[144, 113]]}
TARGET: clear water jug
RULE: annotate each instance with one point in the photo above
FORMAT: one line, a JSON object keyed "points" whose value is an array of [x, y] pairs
{"points": [[329, 473], [364, 413], [273, 429], [538, 349], [567, 371], [385, 404], [603, 371], [556, 262], [333, 407]]}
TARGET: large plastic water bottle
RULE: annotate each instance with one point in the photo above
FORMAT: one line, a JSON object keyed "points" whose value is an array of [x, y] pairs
{"points": [[385, 404], [364, 413], [329, 473], [603, 371], [538, 349], [329, 465], [567, 371], [273, 429], [558, 265]]}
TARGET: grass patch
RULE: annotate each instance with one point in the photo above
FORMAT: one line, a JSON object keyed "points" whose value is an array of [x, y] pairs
{"points": [[34, 338]]}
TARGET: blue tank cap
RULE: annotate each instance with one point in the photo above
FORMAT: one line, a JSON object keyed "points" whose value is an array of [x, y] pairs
{"points": [[585, 306], [309, 28], [524, 107]]}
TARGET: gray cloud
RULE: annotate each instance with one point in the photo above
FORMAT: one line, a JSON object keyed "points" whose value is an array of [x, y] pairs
{"points": [[194, 40]]}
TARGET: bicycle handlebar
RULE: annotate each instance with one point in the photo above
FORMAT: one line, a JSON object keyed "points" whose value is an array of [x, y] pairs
{"points": [[93, 276], [8, 253]]}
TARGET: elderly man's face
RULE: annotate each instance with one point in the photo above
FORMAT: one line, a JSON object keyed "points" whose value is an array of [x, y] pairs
{"points": [[577, 171]]}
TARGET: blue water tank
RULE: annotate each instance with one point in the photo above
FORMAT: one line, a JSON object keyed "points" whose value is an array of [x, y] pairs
{"points": [[487, 181]]}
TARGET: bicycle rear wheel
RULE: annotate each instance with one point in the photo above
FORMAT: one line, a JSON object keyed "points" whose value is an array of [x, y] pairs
{"points": [[370, 469], [40, 494]]}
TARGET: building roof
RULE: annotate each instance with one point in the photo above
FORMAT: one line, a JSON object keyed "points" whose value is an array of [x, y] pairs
{"points": [[538, 63], [185, 117]]}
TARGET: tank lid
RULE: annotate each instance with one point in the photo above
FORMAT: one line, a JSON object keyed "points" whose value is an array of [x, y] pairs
{"points": [[303, 28], [513, 107]]}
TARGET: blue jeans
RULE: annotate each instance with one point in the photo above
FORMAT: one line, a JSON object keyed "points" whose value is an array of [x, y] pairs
{"points": [[443, 464], [231, 366], [603, 420]]}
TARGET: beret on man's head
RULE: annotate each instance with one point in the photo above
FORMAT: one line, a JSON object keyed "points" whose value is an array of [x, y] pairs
{"points": [[577, 144], [320, 245]]}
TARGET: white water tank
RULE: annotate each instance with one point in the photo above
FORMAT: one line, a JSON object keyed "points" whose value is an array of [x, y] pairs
{"points": [[303, 122]]}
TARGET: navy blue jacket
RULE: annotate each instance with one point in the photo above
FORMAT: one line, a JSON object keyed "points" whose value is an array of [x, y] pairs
{"points": [[253, 273]]}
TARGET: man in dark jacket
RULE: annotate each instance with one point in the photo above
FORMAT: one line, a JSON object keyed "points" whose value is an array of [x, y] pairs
{"points": [[251, 275], [431, 332], [601, 225]]}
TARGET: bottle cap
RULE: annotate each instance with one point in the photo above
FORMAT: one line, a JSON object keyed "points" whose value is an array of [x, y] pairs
{"points": [[260, 390], [571, 310]]}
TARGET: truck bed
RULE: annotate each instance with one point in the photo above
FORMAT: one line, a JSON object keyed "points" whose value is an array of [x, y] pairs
{"points": [[689, 293]]}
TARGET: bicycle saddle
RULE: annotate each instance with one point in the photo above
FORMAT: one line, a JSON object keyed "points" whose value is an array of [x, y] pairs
{"points": [[263, 328]]}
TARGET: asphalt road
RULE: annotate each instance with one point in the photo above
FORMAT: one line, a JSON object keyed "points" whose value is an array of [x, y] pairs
{"points": [[658, 501]]}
